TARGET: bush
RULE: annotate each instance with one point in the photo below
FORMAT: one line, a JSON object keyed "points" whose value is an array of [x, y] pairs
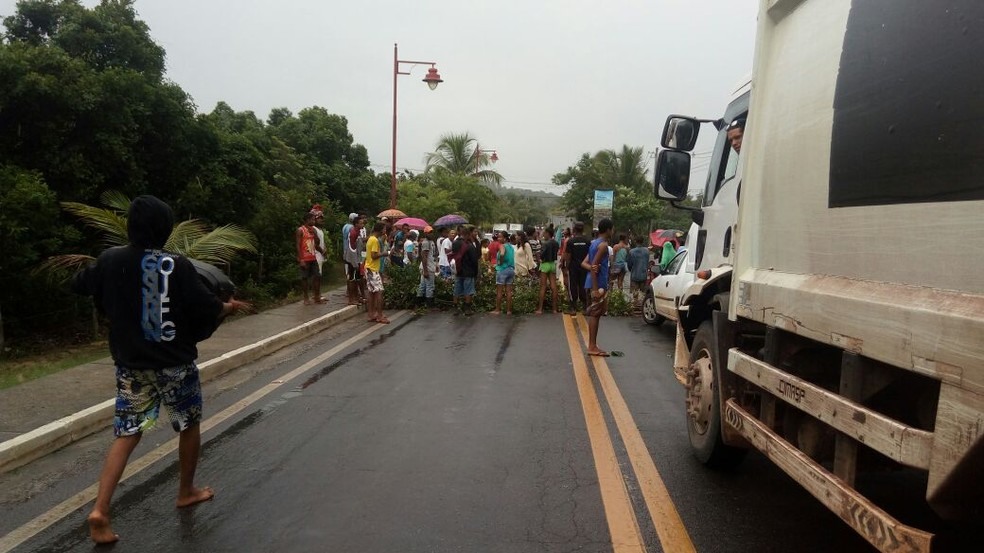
{"points": [[401, 293], [619, 304]]}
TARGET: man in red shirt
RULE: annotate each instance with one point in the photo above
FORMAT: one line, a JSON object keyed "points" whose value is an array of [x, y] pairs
{"points": [[494, 247], [307, 245]]}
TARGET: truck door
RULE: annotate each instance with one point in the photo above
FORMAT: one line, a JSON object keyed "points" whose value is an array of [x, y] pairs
{"points": [[715, 239]]}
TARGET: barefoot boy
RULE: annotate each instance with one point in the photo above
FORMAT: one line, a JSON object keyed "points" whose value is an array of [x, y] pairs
{"points": [[158, 310], [596, 264]]}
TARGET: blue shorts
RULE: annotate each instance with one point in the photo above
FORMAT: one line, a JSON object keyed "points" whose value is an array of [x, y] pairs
{"points": [[140, 393], [464, 286], [505, 276]]}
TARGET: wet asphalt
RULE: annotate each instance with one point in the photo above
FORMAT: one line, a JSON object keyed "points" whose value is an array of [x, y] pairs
{"points": [[438, 434]]}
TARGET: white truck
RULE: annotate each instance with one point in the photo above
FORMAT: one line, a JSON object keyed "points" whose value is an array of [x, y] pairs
{"points": [[837, 320]]}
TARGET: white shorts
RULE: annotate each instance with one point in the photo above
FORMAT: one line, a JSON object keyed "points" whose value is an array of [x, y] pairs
{"points": [[374, 282]]}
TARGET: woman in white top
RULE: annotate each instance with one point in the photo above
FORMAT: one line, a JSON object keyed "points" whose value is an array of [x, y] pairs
{"points": [[524, 256]]}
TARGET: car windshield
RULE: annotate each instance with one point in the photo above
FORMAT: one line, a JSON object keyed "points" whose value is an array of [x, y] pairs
{"points": [[677, 262]]}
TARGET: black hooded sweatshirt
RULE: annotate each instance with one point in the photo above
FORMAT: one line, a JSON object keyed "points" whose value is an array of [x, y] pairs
{"points": [[157, 306]]}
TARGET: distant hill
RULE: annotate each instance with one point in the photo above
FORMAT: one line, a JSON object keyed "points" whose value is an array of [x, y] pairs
{"points": [[527, 193]]}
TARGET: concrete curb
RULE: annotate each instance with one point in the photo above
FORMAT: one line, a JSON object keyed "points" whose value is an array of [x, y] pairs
{"points": [[41, 441]]}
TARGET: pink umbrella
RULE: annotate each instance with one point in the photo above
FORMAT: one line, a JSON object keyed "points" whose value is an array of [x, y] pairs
{"points": [[412, 222], [660, 236]]}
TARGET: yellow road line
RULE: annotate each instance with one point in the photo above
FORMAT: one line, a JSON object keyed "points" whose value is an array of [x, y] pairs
{"points": [[79, 500], [669, 526], [622, 523]]}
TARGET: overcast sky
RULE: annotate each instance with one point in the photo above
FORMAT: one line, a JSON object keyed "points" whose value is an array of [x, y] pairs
{"points": [[541, 81]]}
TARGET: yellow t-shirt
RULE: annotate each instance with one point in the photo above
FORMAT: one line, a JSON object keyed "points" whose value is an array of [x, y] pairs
{"points": [[372, 245]]}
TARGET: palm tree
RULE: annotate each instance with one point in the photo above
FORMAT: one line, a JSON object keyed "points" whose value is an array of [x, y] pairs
{"points": [[627, 167], [191, 238], [459, 154]]}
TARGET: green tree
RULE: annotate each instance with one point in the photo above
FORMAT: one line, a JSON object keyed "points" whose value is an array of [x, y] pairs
{"points": [[106, 36], [85, 103], [459, 154], [29, 230], [516, 207], [419, 197], [337, 165], [623, 171]]}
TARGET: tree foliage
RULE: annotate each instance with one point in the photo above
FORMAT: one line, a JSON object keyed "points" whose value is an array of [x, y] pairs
{"points": [[435, 194], [635, 208], [460, 154]]}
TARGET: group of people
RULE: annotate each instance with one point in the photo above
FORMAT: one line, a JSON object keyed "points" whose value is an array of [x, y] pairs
{"points": [[450, 254], [589, 267]]}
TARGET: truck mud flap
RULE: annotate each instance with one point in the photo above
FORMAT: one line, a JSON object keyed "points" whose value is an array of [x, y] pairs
{"points": [[875, 525]]}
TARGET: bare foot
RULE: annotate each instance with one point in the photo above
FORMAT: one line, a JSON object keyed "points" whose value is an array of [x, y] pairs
{"points": [[494, 312], [196, 496], [100, 530], [598, 353], [539, 312]]}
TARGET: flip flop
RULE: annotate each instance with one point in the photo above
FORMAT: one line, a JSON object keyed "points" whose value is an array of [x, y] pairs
{"points": [[598, 353], [383, 321]]}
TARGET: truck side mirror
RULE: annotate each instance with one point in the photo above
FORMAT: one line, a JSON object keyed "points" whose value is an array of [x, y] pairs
{"points": [[672, 175], [680, 133]]}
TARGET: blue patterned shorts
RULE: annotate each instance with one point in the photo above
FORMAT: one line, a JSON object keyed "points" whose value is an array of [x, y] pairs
{"points": [[140, 392]]}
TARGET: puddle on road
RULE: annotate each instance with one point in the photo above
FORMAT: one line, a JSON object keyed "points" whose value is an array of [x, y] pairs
{"points": [[352, 355], [501, 354]]}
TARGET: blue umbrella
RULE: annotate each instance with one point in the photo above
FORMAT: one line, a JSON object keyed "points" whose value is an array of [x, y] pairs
{"points": [[450, 221]]}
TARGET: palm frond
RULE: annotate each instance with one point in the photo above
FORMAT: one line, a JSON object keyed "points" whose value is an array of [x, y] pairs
{"points": [[488, 177], [184, 235], [454, 152], [116, 200], [108, 222], [222, 244], [64, 266]]}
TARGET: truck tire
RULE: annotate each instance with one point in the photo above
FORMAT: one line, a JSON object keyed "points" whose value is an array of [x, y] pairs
{"points": [[704, 404], [649, 313]]}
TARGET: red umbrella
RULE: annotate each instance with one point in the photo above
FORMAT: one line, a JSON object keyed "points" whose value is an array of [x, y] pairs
{"points": [[412, 222], [661, 236]]}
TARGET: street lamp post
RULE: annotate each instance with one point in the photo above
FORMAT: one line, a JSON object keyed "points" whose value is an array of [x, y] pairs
{"points": [[493, 158], [432, 79]]}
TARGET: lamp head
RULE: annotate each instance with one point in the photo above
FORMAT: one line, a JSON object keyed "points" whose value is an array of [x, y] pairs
{"points": [[433, 78]]}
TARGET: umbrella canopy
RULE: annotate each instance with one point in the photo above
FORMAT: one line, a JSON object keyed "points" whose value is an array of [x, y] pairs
{"points": [[412, 222], [661, 236], [450, 221], [392, 213]]}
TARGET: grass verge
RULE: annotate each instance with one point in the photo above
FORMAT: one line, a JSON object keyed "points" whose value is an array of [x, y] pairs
{"points": [[14, 372]]}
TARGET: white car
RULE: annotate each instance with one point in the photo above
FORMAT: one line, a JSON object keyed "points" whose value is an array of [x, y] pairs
{"points": [[665, 291]]}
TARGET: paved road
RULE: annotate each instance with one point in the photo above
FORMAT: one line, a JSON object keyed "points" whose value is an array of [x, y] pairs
{"points": [[441, 433]]}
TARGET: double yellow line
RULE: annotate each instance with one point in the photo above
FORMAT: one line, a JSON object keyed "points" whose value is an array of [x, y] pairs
{"points": [[622, 522]]}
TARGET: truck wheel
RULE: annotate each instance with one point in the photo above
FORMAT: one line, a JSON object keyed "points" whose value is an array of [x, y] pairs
{"points": [[704, 405], [649, 313]]}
